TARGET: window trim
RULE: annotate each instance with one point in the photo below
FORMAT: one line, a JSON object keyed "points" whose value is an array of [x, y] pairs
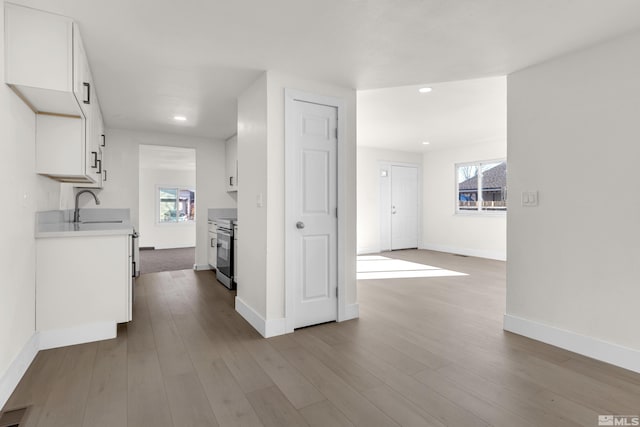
{"points": [[157, 205], [477, 212]]}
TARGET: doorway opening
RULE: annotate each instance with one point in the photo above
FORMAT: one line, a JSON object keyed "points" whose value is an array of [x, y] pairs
{"points": [[167, 208]]}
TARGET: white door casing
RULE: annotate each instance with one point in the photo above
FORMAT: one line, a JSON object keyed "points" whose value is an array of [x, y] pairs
{"points": [[314, 204], [404, 207]]}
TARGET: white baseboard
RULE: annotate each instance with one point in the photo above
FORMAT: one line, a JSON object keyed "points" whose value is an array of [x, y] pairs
{"points": [[604, 351], [497, 255], [200, 267], [364, 251], [352, 311], [266, 328], [77, 335], [17, 368], [251, 316], [275, 327]]}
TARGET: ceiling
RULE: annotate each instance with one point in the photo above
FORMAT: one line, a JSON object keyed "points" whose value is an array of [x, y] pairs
{"points": [[452, 114], [153, 59]]}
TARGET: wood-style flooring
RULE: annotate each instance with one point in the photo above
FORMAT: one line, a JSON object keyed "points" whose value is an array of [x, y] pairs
{"points": [[424, 352]]}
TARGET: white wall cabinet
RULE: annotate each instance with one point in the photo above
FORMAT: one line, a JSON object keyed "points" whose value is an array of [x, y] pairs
{"points": [[83, 280], [96, 147], [212, 248], [46, 65], [231, 157]]}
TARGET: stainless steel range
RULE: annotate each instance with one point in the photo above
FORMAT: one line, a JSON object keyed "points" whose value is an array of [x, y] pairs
{"points": [[225, 256]]}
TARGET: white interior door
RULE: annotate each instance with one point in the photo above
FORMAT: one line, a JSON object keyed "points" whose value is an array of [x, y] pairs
{"points": [[404, 207], [315, 224]]}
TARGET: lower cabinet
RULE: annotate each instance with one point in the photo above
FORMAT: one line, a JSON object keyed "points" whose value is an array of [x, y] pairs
{"points": [[82, 281], [235, 254], [212, 247]]}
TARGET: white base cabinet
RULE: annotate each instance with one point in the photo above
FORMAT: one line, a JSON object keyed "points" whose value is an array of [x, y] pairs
{"points": [[83, 280], [212, 248], [235, 254]]}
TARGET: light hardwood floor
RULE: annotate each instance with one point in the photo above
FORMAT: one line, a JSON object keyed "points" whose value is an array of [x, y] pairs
{"points": [[425, 352]]}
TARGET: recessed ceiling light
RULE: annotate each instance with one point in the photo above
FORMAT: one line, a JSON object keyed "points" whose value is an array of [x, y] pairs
{"points": [[425, 90], [180, 118], [425, 142]]}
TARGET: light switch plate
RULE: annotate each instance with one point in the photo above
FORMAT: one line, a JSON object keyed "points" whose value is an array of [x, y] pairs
{"points": [[530, 198]]}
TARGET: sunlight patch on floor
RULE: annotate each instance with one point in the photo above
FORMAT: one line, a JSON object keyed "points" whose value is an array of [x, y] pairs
{"points": [[381, 267]]}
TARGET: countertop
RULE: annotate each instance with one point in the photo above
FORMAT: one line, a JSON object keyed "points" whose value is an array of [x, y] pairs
{"points": [[94, 222], [70, 229]]}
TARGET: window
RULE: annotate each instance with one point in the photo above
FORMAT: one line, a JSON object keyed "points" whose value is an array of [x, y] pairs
{"points": [[481, 187], [176, 204]]}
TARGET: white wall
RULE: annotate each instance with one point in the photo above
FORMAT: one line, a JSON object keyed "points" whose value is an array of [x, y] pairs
{"points": [[122, 162], [164, 235], [24, 194], [574, 132], [277, 82], [252, 219], [261, 163], [443, 229], [369, 192]]}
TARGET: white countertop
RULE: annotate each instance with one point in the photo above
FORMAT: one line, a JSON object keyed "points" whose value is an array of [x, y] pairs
{"points": [[93, 222], [70, 229]]}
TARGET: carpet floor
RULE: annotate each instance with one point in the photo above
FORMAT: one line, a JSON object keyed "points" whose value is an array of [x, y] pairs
{"points": [[154, 261]]}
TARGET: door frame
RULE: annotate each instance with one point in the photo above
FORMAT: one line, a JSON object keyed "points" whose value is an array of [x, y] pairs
{"points": [[290, 97], [385, 203]]}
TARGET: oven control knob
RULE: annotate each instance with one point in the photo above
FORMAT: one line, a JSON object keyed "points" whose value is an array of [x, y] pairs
{"points": [[299, 225]]}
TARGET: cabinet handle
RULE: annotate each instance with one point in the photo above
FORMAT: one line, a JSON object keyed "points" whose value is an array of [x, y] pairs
{"points": [[104, 179], [212, 240], [95, 159], [88, 86], [230, 181], [99, 167], [104, 140], [133, 273]]}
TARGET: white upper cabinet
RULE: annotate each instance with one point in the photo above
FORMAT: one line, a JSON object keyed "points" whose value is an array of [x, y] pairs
{"points": [[47, 66], [82, 81], [96, 147], [231, 155], [39, 59]]}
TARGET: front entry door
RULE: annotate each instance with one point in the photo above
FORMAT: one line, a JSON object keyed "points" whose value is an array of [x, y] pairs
{"points": [[315, 225], [404, 207]]}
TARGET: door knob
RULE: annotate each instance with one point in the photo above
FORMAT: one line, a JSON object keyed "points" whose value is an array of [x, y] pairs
{"points": [[299, 225]]}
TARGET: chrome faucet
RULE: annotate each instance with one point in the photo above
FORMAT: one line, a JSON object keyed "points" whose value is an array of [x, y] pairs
{"points": [[76, 211]]}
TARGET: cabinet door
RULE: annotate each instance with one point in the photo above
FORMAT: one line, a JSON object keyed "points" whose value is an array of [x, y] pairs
{"points": [[102, 142], [82, 82], [231, 156], [235, 260], [60, 146], [38, 50], [95, 158], [212, 250]]}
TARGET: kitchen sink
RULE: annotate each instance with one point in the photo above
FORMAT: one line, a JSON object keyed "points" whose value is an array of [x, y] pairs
{"points": [[115, 221]]}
